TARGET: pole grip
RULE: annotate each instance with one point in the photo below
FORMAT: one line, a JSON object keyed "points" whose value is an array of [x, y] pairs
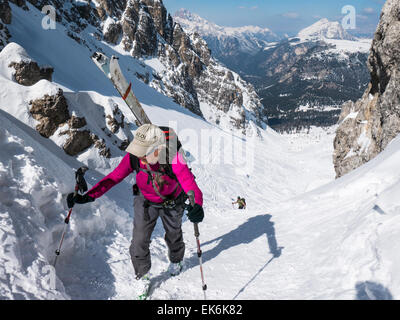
{"points": [[192, 202], [191, 197], [196, 230]]}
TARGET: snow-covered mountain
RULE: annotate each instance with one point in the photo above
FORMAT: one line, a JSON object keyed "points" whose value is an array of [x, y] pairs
{"points": [[325, 29], [166, 58], [226, 40], [303, 235], [304, 80]]}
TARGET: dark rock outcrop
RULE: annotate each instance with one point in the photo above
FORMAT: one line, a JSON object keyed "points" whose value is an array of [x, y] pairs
{"points": [[368, 125], [51, 111], [5, 19], [77, 142], [5, 12], [113, 33], [28, 73], [76, 122]]}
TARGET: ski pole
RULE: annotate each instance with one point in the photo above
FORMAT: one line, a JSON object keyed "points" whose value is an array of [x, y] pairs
{"points": [[81, 186], [199, 252]]}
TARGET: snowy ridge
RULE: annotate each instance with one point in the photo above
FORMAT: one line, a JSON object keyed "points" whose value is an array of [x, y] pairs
{"points": [[325, 29], [332, 33], [248, 38], [194, 23]]}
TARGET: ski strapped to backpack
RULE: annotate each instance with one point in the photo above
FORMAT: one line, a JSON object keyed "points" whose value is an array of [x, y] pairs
{"points": [[111, 69]]}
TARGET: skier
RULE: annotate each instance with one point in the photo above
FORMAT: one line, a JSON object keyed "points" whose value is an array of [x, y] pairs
{"points": [[162, 192], [241, 202]]}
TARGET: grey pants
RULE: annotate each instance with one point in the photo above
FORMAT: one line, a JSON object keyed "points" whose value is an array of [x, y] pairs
{"points": [[143, 226]]}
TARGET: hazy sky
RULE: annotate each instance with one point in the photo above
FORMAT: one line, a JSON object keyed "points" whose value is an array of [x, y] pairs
{"points": [[281, 16]]}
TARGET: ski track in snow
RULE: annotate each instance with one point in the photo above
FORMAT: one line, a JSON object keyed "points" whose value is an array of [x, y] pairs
{"points": [[303, 235]]}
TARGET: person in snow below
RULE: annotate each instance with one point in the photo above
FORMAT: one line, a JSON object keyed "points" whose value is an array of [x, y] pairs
{"points": [[241, 202], [159, 192]]}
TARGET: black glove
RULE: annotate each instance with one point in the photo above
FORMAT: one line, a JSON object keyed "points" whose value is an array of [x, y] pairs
{"points": [[195, 213], [71, 199], [135, 189]]}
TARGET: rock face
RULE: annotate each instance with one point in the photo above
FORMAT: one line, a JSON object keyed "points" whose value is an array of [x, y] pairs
{"points": [[5, 18], [5, 11], [51, 111], [77, 142], [368, 125], [189, 75], [28, 73]]}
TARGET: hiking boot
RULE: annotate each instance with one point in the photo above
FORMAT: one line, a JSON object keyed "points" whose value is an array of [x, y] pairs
{"points": [[175, 268], [142, 285]]}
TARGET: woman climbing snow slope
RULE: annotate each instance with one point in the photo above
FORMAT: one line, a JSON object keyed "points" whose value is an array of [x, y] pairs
{"points": [[162, 182]]}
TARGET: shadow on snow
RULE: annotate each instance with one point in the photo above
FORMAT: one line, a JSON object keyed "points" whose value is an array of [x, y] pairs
{"points": [[368, 290], [252, 229]]}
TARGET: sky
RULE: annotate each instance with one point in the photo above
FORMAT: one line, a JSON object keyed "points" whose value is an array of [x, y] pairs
{"points": [[281, 16]]}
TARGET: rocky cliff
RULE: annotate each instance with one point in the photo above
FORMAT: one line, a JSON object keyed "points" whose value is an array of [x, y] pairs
{"points": [[145, 30], [368, 125], [5, 19]]}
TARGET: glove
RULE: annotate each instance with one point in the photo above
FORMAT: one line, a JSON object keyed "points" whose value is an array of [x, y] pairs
{"points": [[71, 199], [135, 189], [195, 213]]}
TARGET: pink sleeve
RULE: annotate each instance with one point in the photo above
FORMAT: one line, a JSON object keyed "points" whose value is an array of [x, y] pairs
{"points": [[116, 176], [186, 178]]}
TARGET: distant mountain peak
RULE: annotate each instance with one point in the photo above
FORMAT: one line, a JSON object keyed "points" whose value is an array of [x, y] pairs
{"points": [[193, 22], [244, 39], [325, 29], [187, 15]]}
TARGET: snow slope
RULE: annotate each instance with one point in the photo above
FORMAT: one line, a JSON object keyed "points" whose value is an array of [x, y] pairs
{"points": [[340, 244], [95, 263], [303, 235], [37, 174]]}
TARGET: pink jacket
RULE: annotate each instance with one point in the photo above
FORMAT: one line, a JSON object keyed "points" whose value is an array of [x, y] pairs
{"points": [[179, 168]]}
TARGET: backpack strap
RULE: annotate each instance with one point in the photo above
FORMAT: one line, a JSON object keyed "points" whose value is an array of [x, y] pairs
{"points": [[135, 165], [134, 162], [167, 168], [153, 182]]}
